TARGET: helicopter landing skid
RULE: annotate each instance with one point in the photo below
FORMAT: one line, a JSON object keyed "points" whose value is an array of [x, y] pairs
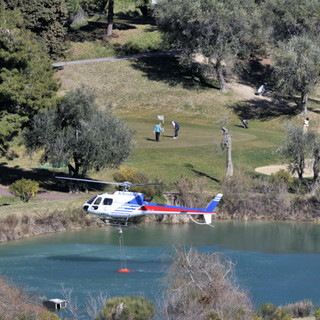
{"points": [[120, 223]]}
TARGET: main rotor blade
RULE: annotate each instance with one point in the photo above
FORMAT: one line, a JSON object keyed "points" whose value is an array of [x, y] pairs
{"points": [[87, 180], [147, 184], [124, 184]]}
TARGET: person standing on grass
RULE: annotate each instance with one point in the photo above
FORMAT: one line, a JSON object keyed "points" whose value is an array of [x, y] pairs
{"points": [[157, 130], [245, 123], [305, 125], [176, 129]]}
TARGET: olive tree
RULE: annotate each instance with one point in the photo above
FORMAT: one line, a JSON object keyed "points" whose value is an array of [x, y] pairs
{"points": [[283, 20], [80, 135], [220, 31], [297, 67], [297, 149]]}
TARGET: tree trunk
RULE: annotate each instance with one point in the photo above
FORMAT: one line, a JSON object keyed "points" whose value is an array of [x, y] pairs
{"points": [[316, 165], [110, 18], [227, 143], [303, 102], [220, 76]]}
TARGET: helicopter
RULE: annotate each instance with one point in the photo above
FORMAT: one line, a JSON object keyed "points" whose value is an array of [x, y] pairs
{"points": [[122, 207]]}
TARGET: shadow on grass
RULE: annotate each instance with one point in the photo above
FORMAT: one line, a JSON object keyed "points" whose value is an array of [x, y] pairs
{"points": [[264, 109], [45, 178], [256, 72], [134, 18], [200, 173], [168, 70], [95, 30]]}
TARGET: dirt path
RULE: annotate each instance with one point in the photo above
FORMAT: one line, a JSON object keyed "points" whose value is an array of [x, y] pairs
{"points": [[44, 195]]}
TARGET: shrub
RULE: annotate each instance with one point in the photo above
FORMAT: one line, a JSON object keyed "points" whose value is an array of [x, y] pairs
{"points": [[283, 178], [317, 314], [269, 311], [192, 192], [299, 309], [25, 189], [18, 304], [48, 315], [127, 308]]}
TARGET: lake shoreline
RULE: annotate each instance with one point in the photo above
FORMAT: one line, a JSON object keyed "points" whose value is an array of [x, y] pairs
{"points": [[16, 227]]}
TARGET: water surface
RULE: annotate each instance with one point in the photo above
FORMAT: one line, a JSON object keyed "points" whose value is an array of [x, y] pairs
{"points": [[276, 262]]}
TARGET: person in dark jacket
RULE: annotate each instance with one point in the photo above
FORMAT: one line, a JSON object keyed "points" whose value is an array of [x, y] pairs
{"points": [[176, 129]]}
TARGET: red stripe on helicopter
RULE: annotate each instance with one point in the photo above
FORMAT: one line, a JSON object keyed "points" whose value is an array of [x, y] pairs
{"points": [[169, 209]]}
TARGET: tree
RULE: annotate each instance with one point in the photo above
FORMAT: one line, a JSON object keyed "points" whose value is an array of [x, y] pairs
{"points": [[286, 19], [202, 286], [297, 67], [110, 17], [80, 135], [26, 78], [209, 28], [227, 143], [47, 19], [297, 149]]}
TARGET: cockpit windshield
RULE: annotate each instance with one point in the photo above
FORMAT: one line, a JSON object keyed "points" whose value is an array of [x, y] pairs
{"points": [[91, 200]]}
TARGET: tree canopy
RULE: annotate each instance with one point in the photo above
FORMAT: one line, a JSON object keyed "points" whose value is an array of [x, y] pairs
{"points": [[284, 19], [26, 77], [47, 19], [80, 135], [297, 67], [221, 31]]}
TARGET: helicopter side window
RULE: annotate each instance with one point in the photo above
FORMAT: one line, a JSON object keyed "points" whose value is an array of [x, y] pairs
{"points": [[96, 203], [107, 202]]}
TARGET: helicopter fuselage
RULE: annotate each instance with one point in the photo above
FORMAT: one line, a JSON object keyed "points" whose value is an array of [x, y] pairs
{"points": [[119, 205]]}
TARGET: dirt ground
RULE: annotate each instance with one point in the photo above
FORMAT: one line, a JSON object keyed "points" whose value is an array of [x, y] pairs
{"points": [[275, 168]]}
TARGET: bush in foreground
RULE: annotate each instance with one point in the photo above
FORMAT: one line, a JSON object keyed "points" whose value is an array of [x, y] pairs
{"points": [[127, 308], [17, 304], [203, 286], [300, 309]]}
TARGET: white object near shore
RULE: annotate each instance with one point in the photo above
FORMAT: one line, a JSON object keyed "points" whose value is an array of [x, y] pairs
{"points": [[56, 304]]}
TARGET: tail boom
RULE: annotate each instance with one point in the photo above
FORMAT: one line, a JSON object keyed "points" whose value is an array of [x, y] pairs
{"points": [[154, 208]]}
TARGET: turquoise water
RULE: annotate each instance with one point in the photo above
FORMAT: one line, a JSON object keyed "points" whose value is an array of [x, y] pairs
{"points": [[276, 262]]}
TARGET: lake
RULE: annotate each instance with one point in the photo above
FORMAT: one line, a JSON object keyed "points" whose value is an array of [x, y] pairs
{"points": [[276, 262]]}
